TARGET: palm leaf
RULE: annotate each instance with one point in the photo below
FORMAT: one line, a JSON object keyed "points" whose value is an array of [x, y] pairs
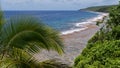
{"points": [[1, 18], [28, 32], [21, 59], [18, 59]]}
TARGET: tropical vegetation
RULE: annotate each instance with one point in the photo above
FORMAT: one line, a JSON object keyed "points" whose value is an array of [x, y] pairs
{"points": [[99, 8], [103, 49], [23, 36]]}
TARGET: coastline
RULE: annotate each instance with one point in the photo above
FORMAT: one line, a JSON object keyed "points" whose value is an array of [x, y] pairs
{"points": [[74, 44], [74, 41], [83, 25]]}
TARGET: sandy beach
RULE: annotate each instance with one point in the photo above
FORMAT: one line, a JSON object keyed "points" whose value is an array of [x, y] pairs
{"points": [[74, 44]]}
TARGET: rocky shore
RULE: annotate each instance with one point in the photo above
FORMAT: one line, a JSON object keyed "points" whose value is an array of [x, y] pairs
{"points": [[74, 44]]}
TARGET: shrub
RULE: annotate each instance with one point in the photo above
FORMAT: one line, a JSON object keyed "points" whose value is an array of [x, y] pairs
{"points": [[101, 55]]}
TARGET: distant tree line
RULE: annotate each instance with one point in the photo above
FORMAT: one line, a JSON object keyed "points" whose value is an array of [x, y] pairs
{"points": [[99, 8]]}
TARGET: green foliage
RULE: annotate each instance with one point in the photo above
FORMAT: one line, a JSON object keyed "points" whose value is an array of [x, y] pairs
{"points": [[53, 63], [1, 18], [28, 32], [103, 49], [116, 32], [114, 16], [100, 8], [101, 35], [101, 55], [23, 36]]}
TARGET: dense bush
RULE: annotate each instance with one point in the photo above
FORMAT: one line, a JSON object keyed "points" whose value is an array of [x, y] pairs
{"points": [[116, 32], [105, 34], [101, 55], [114, 16], [103, 49]]}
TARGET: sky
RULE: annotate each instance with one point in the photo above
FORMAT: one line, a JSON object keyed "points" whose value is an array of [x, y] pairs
{"points": [[53, 4]]}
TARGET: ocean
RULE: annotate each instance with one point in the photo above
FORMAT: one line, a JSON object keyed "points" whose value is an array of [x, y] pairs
{"points": [[63, 21]]}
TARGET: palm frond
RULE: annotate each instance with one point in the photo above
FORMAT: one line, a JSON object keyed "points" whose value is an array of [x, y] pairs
{"points": [[1, 18], [18, 59], [28, 32]]}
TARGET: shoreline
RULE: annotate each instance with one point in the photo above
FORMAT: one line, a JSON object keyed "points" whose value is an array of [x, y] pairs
{"points": [[83, 25], [74, 43]]}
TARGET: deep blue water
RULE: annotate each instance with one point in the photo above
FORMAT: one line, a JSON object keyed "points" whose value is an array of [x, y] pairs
{"points": [[59, 20]]}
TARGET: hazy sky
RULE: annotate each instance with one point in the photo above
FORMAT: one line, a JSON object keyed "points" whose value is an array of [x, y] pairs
{"points": [[52, 4]]}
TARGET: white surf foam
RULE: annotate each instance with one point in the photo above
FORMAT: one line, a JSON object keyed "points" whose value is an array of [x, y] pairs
{"points": [[92, 20], [82, 24], [72, 31]]}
